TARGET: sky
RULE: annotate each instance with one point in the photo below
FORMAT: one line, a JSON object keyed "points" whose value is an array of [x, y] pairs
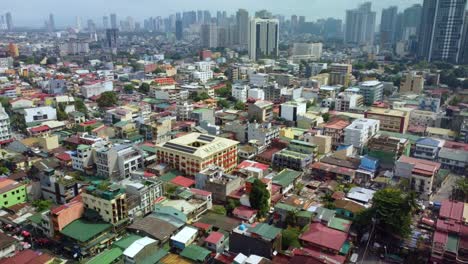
{"points": [[35, 12]]}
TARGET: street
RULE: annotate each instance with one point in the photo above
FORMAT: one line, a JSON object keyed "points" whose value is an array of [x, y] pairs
{"points": [[446, 189]]}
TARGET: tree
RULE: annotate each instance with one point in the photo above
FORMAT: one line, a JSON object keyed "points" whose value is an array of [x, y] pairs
{"points": [[61, 114], [326, 117], [231, 205], [259, 198], [144, 88], [454, 101], [4, 171], [107, 99], [223, 92], [64, 70], [239, 105], [129, 88], [42, 205], [158, 71], [80, 106], [223, 103], [460, 189], [291, 218], [290, 238], [391, 210], [218, 209]]}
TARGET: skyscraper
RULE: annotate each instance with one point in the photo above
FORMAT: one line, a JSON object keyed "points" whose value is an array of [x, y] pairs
{"points": [[113, 18], [206, 17], [199, 16], [263, 38], [360, 25], [242, 18], [464, 44], [179, 30], [209, 36], [410, 23], [51, 23], [105, 22], [9, 21], [388, 27], [112, 36], [441, 30]]}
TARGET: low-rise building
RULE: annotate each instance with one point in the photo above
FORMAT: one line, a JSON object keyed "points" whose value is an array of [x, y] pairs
{"points": [[428, 148], [184, 237], [455, 160], [387, 149], [146, 192], [297, 156], [11, 192], [214, 180], [412, 82], [260, 239], [392, 120], [290, 110], [346, 101], [419, 172], [96, 88], [5, 129], [117, 162], [239, 91], [336, 130], [372, 91], [261, 111], [39, 114]]}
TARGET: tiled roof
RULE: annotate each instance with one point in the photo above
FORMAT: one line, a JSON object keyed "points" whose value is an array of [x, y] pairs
{"points": [[183, 181], [323, 236], [214, 237]]}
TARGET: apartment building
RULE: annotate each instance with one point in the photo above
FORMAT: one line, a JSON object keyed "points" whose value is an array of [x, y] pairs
{"points": [[346, 101], [96, 88], [263, 133], [5, 130], [335, 130], [11, 192], [239, 91], [360, 131], [391, 120], [146, 192], [419, 172], [428, 148], [214, 180], [290, 110], [372, 91], [412, 82], [117, 162], [194, 152], [261, 111]]}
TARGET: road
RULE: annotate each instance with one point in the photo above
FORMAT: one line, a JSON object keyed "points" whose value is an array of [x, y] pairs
{"points": [[443, 193]]}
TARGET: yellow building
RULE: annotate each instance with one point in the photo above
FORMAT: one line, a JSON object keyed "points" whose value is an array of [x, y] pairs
{"points": [[109, 201], [321, 78], [194, 152], [286, 132], [412, 82], [392, 120]]}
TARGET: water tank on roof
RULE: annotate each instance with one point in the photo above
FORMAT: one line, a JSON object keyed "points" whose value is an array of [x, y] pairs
{"points": [[242, 227]]}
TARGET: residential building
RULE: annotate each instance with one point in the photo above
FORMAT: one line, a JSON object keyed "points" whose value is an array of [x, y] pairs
{"points": [[422, 118], [82, 159], [393, 120], [184, 237], [239, 91], [306, 51], [262, 133], [184, 110], [214, 180], [321, 237], [12, 192], [74, 47], [202, 76], [209, 35], [455, 160], [412, 82], [96, 88], [290, 110], [336, 130], [5, 130], [215, 241], [387, 149], [360, 131], [261, 111], [117, 162], [346, 101], [203, 115], [257, 79], [261, 239], [146, 193], [242, 19], [263, 38], [297, 156], [419, 172], [372, 91], [194, 152], [286, 179], [360, 25], [108, 200], [141, 250], [323, 143], [59, 217], [60, 189], [8, 246], [256, 94], [441, 30], [388, 25], [428, 148], [39, 114]]}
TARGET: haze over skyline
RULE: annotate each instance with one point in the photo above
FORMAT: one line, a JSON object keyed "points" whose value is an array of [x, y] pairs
{"points": [[33, 12]]}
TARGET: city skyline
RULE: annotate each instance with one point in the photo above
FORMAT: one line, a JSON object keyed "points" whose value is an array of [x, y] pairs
{"points": [[34, 13]]}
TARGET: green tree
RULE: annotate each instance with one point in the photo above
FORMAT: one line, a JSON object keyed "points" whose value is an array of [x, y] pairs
{"points": [[231, 205], [290, 238], [80, 106], [223, 92], [144, 88], [107, 99], [129, 88], [454, 101], [61, 114], [51, 60], [158, 71], [259, 198], [42, 205], [64, 70], [203, 96], [219, 209], [460, 190], [291, 218], [326, 117], [239, 105], [391, 210], [4, 171], [223, 103]]}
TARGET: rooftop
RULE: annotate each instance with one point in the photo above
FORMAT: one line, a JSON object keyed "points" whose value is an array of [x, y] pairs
{"points": [[389, 112], [286, 177], [107, 256], [195, 253], [83, 230], [323, 236]]}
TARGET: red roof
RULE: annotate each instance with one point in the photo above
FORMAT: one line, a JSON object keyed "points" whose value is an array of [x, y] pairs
{"points": [[312, 256], [244, 212], [202, 226], [325, 237], [200, 192], [147, 174], [63, 157], [337, 124], [165, 81], [451, 210], [252, 164], [27, 256], [183, 181], [420, 165], [39, 129], [214, 237], [456, 145]]}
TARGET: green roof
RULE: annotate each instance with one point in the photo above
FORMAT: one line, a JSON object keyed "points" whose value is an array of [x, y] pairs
{"points": [[155, 257], [121, 124], [148, 149], [125, 242], [83, 231], [452, 243], [286, 177], [167, 177], [195, 253], [345, 248], [201, 110], [411, 138], [305, 214], [107, 256], [325, 214], [265, 230], [339, 224], [286, 207], [36, 218], [83, 147]]}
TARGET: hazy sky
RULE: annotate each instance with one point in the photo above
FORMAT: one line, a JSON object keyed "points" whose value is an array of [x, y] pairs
{"points": [[34, 12]]}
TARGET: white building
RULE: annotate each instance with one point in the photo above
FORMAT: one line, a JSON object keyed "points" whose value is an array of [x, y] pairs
{"points": [[290, 110], [184, 110], [202, 76], [257, 94], [39, 114], [258, 79], [422, 118], [5, 130], [146, 191], [239, 91], [74, 47], [118, 162], [360, 131], [97, 88], [306, 51], [262, 133], [263, 38], [203, 65], [345, 101]]}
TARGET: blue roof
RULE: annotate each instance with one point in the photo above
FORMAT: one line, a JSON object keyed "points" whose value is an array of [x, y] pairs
{"points": [[369, 163], [340, 147], [428, 142]]}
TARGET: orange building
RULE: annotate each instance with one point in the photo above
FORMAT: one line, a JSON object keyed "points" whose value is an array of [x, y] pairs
{"points": [[65, 214], [13, 50]]}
